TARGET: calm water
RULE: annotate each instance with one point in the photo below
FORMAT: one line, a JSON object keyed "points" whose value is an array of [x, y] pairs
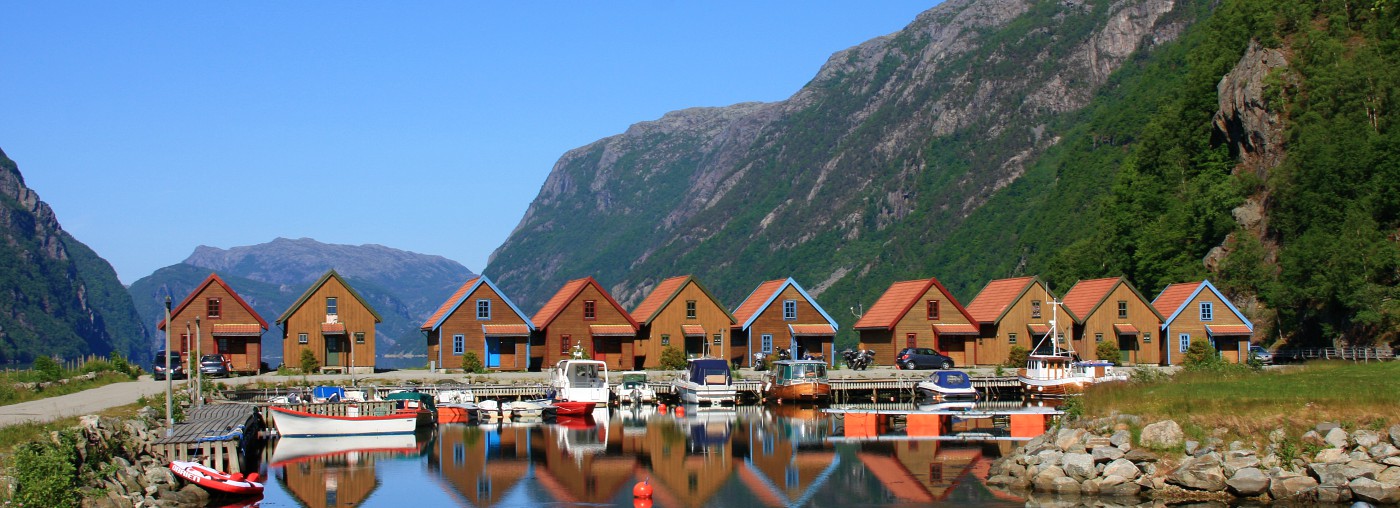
{"points": [[746, 457]]}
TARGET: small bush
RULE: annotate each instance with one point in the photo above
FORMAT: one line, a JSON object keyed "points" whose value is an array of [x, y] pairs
{"points": [[309, 363], [1108, 350], [45, 474], [1200, 354], [1017, 357], [472, 363], [672, 359], [47, 369]]}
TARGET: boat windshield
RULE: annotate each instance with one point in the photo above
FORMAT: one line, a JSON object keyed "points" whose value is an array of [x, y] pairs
{"points": [[709, 372], [809, 371], [585, 374]]}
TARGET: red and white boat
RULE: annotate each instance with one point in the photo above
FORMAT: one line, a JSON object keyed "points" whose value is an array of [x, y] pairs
{"points": [[1057, 372], [574, 409], [290, 422], [213, 479]]}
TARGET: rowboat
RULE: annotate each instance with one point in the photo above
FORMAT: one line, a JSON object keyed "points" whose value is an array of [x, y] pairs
{"points": [[213, 479], [290, 422], [564, 408], [797, 381]]}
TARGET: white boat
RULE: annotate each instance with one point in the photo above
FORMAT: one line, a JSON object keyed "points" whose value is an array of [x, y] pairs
{"points": [[297, 449], [580, 381], [634, 389], [1056, 372], [705, 381], [946, 385], [527, 409], [492, 411], [290, 422]]}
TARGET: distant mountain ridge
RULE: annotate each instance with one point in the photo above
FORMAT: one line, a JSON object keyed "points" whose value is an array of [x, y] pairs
{"points": [[404, 287]]}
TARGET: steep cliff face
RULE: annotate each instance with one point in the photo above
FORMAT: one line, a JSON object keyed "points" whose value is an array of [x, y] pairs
{"points": [[56, 296], [889, 148]]}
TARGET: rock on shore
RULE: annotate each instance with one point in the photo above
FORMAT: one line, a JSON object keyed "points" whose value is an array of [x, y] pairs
{"points": [[1097, 458]]}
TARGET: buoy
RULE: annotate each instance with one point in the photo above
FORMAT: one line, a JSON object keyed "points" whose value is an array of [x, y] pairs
{"points": [[680, 411], [661, 408], [641, 502], [642, 489]]}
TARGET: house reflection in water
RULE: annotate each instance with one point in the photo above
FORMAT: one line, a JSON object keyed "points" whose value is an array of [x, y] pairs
{"points": [[329, 472], [481, 463]]}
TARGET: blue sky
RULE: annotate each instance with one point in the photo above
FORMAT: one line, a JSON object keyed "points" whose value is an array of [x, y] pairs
{"points": [[154, 127]]}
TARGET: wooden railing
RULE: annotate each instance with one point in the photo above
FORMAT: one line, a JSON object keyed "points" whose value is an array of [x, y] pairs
{"points": [[1359, 354]]}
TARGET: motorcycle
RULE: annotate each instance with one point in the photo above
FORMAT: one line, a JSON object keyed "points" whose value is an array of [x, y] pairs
{"points": [[760, 361], [859, 360]]}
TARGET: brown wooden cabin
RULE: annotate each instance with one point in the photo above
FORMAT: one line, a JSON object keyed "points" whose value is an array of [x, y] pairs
{"points": [[680, 313], [1011, 312], [1199, 311], [480, 319], [333, 321], [583, 314], [474, 470], [780, 314], [918, 313], [1112, 309], [226, 325]]}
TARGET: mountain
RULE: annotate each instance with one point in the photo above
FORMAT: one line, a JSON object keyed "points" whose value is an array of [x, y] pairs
{"points": [[58, 297], [1162, 140], [404, 287]]}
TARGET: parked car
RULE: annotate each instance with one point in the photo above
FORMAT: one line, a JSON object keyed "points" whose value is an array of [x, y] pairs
{"points": [[213, 365], [177, 366], [921, 358], [1262, 354]]}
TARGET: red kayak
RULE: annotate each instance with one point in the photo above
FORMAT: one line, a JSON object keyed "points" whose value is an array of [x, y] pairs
{"points": [[574, 409], [214, 479]]}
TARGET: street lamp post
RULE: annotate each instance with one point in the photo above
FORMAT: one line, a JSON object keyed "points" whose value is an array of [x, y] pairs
{"points": [[351, 339], [199, 371], [169, 379]]}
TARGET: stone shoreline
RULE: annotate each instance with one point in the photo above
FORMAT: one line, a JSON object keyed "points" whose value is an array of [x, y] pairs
{"points": [[1098, 459]]}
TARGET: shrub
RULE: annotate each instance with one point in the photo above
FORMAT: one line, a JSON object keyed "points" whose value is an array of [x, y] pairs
{"points": [[309, 363], [44, 473], [1108, 350], [672, 359], [472, 363], [47, 369], [1200, 353], [1017, 357]]}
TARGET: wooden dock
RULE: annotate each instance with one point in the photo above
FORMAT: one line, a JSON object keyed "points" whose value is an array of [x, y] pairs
{"points": [[216, 435]]}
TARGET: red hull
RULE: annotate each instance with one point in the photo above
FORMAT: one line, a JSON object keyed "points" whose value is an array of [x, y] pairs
{"points": [[214, 479], [573, 409]]}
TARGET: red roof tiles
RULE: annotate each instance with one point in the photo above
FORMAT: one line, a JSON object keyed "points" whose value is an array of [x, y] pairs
{"points": [[1173, 297], [566, 294], [995, 297], [693, 330], [812, 330], [1125, 329], [755, 301], [1229, 330], [661, 294], [612, 330], [1086, 294], [232, 329], [213, 278], [449, 303], [512, 330], [892, 305], [333, 328], [956, 329]]}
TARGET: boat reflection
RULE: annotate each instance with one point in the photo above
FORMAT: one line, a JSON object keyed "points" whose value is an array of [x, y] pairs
{"points": [[338, 471]]}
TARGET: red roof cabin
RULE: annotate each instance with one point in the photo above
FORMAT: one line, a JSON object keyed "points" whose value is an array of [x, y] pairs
{"points": [[780, 314], [1112, 309], [1199, 311], [224, 323], [479, 319], [583, 315], [680, 313], [335, 323], [918, 313], [1012, 313]]}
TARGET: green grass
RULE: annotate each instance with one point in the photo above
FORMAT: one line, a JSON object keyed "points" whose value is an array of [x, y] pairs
{"points": [[11, 394], [1250, 404]]}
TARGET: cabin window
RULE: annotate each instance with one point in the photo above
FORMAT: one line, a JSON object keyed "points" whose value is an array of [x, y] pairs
{"points": [[1035, 309], [331, 306], [564, 342], [932, 309], [483, 310], [719, 339], [301, 338], [459, 454], [458, 344], [1122, 309], [1010, 338], [1098, 337], [690, 309], [911, 340], [221, 346], [1146, 338], [766, 340], [1207, 311], [590, 309], [1185, 340], [359, 337], [789, 310], [483, 487], [790, 476], [665, 340], [212, 308]]}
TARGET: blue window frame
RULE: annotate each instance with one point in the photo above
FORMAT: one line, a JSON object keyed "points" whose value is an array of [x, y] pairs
{"points": [[1207, 311], [789, 310], [458, 344], [332, 306], [767, 342], [1185, 340], [483, 310]]}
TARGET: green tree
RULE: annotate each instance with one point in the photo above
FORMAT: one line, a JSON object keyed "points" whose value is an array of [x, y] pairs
{"points": [[48, 369], [472, 363], [44, 473], [1200, 355], [1107, 350], [309, 363], [1017, 357], [672, 359]]}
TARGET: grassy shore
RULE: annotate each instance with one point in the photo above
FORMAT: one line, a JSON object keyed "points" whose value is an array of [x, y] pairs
{"points": [[1248, 404]]}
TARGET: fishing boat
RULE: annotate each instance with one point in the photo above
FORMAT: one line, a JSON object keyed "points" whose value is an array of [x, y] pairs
{"points": [[1055, 371], [705, 381], [419, 403], [946, 385], [290, 422], [579, 380], [213, 479], [634, 389], [797, 381], [456, 406]]}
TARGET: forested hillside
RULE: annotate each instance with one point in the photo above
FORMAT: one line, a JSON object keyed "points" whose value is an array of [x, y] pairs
{"points": [[1247, 141]]}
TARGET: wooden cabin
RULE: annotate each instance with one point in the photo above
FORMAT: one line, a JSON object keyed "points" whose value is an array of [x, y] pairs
{"points": [[480, 319], [1112, 309], [918, 313], [224, 323], [335, 323], [681, 313], [1198, 311], [1011, 313], [582, 314], [780, 314]]}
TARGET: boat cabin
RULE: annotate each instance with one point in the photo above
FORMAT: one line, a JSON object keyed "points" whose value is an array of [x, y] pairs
{"points": [[709, 371], [788, 371]]}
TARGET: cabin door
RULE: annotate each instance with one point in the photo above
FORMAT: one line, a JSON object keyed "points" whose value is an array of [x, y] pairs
{"points": [[333, 349], [493, 353], [1127, 344]]}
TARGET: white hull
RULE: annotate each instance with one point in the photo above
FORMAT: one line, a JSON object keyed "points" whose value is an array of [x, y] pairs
{"points": [[292, 448], [297, 423], [581, 381], [643, 396], [714, 395], [933, 391]]}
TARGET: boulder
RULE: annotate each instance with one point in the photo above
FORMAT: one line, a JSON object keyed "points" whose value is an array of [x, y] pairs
{"points": [[1248, 482], [1192, 446], [1096, 442], [1312, 438], [1045, 479], [1363, 468], [1325, 427], [1337, 438], [1065, 486], [1163, 434], [1390, 475], [1140, 456], [1107, 454], [1069, 437], [1366, 438], [1121, 438], [158, 476], [1277, 436], [1382, 450], [1394, 432], [1376, 492], [1237, 462], [1285, 485], [1122, 468], [1079, 466], [1199, 473], [1050, 457], [1328, 474], [195, 492], [1327, 493], [1391, 461], [1331, 456], [1118, 486], [1089, 487]]}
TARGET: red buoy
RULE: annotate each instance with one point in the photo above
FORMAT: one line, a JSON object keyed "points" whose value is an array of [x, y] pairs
{"points": [[680, 411], [642, 489], [641, 502]]}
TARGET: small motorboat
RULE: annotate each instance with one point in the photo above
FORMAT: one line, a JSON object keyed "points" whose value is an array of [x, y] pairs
{"points": [[213, 479], [946, 385], [290, 422], [529, 409], [580, 381], [797, 381], [634, 389], [573, 409], [466, 412], [492, 411], [417, 402], [705, 381]]}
